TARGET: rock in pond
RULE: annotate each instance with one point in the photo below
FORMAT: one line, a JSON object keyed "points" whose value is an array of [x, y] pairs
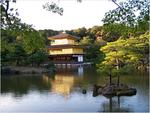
{"points": [[83, 91], [129, 92], [114, 90], [96, 90]]}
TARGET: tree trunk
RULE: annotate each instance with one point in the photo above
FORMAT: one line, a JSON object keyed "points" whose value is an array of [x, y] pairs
{"points": [[32, 62], [110, 79], [17, 62], [38, 64], [32, 58], [110, 104], [119, 103], [118, 81]]}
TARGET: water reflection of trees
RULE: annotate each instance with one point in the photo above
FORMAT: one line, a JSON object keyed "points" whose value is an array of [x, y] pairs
{"points": [[20, 85], [113, 105]]}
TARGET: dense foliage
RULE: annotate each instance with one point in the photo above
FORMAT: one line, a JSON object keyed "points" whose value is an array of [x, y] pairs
{"points": [[121, 42], [19, 42], [131, 42], [130, 13], [127, 34], [133, 51]]}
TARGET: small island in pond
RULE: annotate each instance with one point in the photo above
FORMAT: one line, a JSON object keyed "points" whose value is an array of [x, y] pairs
{"points": [[114, 90]]}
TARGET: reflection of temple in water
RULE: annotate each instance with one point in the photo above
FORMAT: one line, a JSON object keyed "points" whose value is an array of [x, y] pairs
{"points": [[64, 80], [80, 71], [77, 71], [62, 84]]}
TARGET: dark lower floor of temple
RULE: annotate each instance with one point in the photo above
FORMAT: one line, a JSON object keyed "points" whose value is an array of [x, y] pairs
{"points": [[71, 58]]}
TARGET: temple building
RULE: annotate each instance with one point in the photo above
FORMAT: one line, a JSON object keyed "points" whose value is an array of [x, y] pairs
{"points": [[64, 49]]}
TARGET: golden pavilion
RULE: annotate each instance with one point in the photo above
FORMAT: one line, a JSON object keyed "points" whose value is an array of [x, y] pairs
{"points": [[64, 49]]}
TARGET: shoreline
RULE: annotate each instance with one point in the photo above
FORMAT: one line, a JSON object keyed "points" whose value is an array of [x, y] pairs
{"points": [[8, 70]]}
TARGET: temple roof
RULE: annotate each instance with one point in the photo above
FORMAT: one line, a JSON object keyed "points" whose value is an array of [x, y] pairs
{"points": [[63, 35]]}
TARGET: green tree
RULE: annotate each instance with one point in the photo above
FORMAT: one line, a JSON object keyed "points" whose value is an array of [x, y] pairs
{"points": [[38, 58], [33, 41], [86, 41], [127, 13], [114, 56], [53, 7], [127, 51], [7, 46], [18, 55], [124, 55], [106, 69], [130, 19], [112, 32], [47, 33], [93, 54], [95, 30], [80, 32], [19, 41]]}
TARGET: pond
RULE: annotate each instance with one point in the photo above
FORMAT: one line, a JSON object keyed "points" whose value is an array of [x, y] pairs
{"points": [[63, 91]]}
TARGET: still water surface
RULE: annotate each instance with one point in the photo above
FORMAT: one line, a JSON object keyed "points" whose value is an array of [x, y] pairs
{"points": [[63, 92]]}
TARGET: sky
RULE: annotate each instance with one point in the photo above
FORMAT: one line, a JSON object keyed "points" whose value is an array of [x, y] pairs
{"points": [[86, 14]]}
